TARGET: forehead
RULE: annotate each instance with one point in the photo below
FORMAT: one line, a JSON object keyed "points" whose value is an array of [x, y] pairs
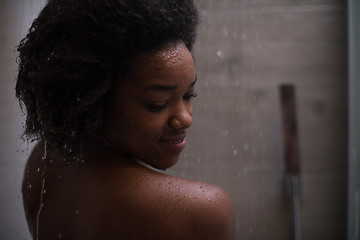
{"points": [[173, 60], [171, 55], [167, 56]]}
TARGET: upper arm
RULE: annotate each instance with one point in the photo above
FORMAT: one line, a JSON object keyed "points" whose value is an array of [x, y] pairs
{"points": [[213, 217], [201, 211]]}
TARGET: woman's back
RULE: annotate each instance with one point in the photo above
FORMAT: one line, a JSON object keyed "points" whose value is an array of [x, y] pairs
{"points": [[109, 198]]}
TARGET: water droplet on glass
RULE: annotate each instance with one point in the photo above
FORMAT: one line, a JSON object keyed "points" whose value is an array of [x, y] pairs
{"points": [[246, 147], [220, 54]]}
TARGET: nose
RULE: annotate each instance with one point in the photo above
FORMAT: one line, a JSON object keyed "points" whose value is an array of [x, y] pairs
{"points": [[181, 118]]}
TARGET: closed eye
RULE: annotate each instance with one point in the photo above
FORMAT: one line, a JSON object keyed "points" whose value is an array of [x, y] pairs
{"points": [[190, 96], [156, 107]]}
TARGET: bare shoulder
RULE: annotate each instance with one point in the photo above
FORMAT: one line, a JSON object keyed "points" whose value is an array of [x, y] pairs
{"points": [[209, 208], [136, 202], [174, 208]]}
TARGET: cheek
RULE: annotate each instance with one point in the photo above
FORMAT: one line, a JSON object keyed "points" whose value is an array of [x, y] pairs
{"points": [[140, 125]]}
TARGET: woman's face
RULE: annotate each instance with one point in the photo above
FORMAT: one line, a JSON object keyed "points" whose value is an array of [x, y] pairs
{"points": [[152, 107]]}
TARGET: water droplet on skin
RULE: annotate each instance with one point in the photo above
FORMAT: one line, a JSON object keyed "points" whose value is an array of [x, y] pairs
{"points": [[77, 212], [29, 186], [235, 152], [59, 236], [38, 169]]}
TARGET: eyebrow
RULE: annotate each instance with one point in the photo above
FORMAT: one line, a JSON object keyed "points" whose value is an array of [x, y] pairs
{"points": [[195, 80], [162, 87]]}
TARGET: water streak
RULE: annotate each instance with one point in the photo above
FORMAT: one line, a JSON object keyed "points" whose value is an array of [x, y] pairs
{"points": [[42, 191]]}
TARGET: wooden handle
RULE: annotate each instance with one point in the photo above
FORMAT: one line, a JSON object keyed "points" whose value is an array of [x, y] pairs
{"points": [[290, 137]]}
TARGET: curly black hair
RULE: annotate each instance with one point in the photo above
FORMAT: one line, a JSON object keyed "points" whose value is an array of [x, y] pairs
{"points": [[74, 52]]}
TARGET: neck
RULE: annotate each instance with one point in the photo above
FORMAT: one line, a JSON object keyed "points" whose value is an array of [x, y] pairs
{"points": [[148, 166], [107, 145]]}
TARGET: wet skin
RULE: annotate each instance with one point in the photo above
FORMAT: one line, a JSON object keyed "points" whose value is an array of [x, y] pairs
{"points": [[112, 197]]}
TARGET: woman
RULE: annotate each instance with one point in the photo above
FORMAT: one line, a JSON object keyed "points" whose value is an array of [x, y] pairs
{"points": [[108, 88]]}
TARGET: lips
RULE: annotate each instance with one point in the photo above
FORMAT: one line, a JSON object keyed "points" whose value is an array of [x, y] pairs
{"points": [[174, 144], [173, 140]]}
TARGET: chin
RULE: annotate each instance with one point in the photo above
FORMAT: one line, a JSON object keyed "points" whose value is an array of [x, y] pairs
{"points": [[166, 163]]}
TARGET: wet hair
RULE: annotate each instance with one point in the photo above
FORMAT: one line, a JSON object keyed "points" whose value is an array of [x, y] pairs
{"points": [[75, 51]]}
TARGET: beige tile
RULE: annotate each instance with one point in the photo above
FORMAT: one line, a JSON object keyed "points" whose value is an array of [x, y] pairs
{"points": [[308, 49], [247, 5]]}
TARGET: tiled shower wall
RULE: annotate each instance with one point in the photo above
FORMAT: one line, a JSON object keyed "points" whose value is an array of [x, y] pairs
{"points": [[245, 50]]}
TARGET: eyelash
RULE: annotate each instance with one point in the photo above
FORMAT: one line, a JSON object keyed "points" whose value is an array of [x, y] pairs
{"points": [[190, 96], [158, 108]]}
